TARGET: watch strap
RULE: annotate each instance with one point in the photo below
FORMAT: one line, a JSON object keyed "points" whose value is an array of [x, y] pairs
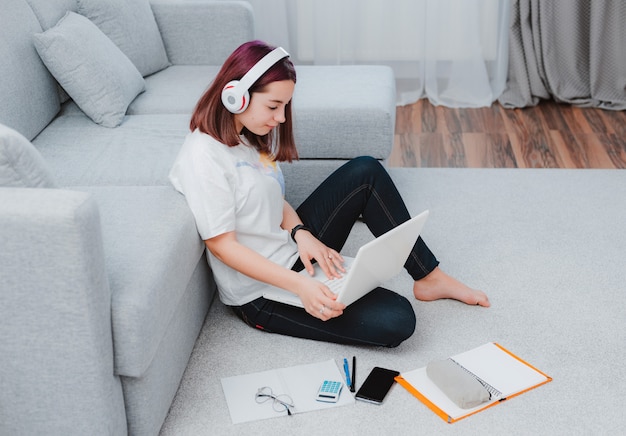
{"points": [[296, 228]]}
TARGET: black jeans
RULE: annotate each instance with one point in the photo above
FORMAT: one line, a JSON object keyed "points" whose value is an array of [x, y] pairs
{"points": [[363, 189]]}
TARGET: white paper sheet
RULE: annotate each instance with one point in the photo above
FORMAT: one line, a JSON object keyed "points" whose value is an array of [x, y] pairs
{"points": [[301, 383]]}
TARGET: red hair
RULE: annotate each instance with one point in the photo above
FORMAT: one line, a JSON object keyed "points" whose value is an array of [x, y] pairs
{"points": [[211, 117]]}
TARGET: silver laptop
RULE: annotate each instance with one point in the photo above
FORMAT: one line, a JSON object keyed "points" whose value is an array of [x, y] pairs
{"points": [[375, 262]]}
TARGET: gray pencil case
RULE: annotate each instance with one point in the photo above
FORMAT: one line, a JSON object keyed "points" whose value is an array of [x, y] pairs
{"points": [[458, 384]]}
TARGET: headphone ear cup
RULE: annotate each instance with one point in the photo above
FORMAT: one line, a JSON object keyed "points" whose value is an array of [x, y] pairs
{"points": [[233, 99]]}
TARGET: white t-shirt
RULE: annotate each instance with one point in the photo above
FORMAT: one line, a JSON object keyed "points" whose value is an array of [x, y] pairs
{"points": [[234, 189]]}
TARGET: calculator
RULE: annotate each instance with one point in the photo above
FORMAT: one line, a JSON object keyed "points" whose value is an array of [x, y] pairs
{"points": [[329, 391]]}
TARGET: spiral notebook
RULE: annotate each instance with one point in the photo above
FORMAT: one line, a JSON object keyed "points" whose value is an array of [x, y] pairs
{"points": [[501, 372]]}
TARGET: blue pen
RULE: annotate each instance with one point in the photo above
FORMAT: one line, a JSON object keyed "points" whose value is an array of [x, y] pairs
{"points": [[346, 369]]}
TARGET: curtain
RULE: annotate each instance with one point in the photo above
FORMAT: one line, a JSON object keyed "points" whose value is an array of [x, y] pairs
{"points": [[453, 52], [573, 51]]}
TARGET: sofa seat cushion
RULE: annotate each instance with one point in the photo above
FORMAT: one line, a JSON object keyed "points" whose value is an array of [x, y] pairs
{"points": [[175, 90], [139, 152], [151, 249], [361, 98]]}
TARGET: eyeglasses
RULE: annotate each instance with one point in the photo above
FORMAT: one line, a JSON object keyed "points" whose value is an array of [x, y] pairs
{"points": [[280, 403]]}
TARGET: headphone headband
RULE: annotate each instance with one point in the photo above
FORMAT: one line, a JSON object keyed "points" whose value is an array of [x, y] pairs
{"points": [[262, 66], [235, 95]]}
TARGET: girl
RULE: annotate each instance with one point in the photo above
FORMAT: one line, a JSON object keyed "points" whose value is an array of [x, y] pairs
{"points": [[227, 169]]}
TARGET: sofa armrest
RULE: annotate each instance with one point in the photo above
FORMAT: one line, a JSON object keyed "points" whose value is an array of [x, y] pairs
{"points": [[56, 347], [200, 32]]}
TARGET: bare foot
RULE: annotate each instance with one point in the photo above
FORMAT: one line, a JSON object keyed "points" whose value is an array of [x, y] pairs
{"points": [[438, 285]]}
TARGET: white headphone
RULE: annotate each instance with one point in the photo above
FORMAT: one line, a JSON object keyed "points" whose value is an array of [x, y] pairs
{"points": [[235, 95]]}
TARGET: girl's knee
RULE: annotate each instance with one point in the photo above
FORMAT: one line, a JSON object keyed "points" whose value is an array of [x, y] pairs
{"points": [[367, 162], [367, 168], [404, 325], [396, 317]]}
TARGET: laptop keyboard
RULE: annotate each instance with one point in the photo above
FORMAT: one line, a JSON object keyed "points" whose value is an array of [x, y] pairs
{"points": [[336, 284]]}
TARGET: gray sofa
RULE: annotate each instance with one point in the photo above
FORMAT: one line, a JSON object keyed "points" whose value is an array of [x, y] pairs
{"points": [[104, 280]]}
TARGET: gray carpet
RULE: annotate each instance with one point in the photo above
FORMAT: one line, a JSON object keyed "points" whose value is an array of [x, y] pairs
{"points": [[546, 245]]}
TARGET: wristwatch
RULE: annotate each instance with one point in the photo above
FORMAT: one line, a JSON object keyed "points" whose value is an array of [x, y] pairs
{"points": [[296, 228]]}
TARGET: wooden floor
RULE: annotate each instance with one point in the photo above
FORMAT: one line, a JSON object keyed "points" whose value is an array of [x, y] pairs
{"points": [[549, 135]]}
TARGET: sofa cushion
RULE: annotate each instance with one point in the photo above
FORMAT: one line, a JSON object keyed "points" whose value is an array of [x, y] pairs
{"points": [[360, 97], [151, 250], [202, 32], [175, 90], [93, 71], [28, 92], [130, 24], [21, 165], [139, 152], [49, 12]]}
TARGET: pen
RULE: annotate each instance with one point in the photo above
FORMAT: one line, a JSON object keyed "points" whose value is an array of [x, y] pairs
{"points": [[346, 370], [353, 384]]}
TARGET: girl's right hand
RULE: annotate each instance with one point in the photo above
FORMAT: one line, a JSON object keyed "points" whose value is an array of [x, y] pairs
{"points": [[319, 301]]}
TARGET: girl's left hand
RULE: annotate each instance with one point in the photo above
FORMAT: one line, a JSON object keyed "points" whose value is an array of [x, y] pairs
{"points": [[327, 258]]}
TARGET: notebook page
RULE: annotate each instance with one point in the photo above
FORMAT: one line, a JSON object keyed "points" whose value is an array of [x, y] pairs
{"points": [[498, 368]]}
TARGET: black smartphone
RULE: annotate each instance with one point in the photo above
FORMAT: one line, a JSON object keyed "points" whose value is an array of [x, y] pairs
{"points": [[376, 385]]}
